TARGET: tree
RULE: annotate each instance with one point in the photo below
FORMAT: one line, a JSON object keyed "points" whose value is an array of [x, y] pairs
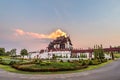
{"points": [[8, 53], [101, 52], [13, 52], [24, 52], [95, 52], [98, 52], [112, 55], [2, 51]]}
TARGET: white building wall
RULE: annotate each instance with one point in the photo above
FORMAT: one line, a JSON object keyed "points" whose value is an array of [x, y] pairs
{"points": [[56, 53], [60, 53], [107, 56], [87, 54]]}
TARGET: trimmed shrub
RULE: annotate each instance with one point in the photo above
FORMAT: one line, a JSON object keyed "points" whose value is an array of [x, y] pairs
{"points": [[80, 61], [75, 61], [31, 69], [90, 62], [37, 61], [43, 64], [24, 63], [68, 60], [12, 62], [5, 62], [92, 59], [83, 63], [48, 63], [53, 66], [93, 62], [103, 60], [0, 59], [87, 62], [61, 60]]}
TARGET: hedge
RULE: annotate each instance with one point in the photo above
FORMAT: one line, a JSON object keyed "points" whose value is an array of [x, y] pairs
{"points": [[30, 69]]}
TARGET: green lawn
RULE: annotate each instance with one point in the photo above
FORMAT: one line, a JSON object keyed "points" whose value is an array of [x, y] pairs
{"points": [[91, 67], [7, 57], [117, 55], [10, 69]]}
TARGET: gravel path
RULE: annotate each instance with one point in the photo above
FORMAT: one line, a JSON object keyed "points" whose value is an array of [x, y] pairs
{"points": [[109, 72]]}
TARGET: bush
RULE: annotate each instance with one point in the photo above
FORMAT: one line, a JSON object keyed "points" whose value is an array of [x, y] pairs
{"points": [[50, 69], [61, 60], [68, 60], [53, 66], [83, 63], [109, 59], [5, 62], [12, 62], [92, 59], [93, 62], [87, 62], [38, 61], [80, 61], [9, 62], [75, 61], [43, 64], [0, 59], [90, 62], [103, 60], [23, 63], [48, 63]]}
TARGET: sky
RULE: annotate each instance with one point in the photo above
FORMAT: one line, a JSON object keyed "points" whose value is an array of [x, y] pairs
{"points": [[30, 23]]}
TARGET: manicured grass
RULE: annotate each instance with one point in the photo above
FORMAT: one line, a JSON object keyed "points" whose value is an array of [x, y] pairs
{"points": [[10, 69], [7, 57], [117, 55], [91, 67]]}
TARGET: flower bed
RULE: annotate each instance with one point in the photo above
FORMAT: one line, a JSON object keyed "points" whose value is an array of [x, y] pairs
{"points": [[52, 67], [49, 66]]}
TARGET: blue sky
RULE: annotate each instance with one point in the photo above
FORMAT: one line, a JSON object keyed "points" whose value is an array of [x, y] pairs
{"points": [[88, 22]]}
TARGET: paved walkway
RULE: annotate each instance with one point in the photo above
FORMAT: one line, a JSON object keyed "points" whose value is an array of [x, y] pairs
{"points": [[109, 72]]}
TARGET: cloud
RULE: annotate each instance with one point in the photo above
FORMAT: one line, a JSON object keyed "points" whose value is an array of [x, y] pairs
{"points": [[19, 31], [32, 40], [53, 35]]}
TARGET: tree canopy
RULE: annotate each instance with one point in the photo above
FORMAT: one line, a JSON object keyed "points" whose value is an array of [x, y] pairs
{"points": [[98, 52], [13, 52], [24, 52], [2, 51]]}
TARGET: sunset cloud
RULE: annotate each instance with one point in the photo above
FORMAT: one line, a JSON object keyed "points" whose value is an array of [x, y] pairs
{"points": [[53, 35], [19, 31]]}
